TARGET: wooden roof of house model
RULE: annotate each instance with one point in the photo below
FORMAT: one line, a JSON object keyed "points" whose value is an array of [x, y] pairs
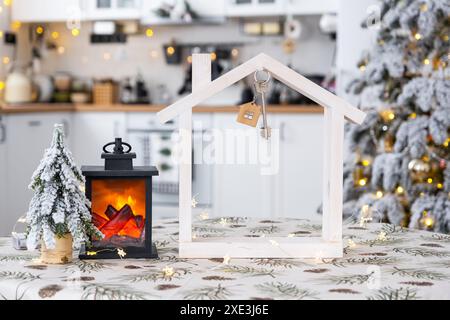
{"points": [[278, 71]]}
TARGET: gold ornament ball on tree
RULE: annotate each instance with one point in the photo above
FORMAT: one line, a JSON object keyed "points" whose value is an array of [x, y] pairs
{"points": [[387, 115], [419, 170]]}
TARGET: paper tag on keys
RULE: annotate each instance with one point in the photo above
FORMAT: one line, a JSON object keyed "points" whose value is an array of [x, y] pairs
{"points": [[249, 114]]}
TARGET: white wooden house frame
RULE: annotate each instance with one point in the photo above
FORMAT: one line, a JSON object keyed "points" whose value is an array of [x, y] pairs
{"points": [[335, 109]]}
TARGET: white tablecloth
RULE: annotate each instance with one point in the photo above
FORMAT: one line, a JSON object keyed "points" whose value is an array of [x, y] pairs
{"points": [[380, 262]]}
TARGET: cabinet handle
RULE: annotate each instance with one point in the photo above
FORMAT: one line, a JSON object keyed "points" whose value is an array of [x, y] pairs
{"points": [[2, 132], [34, 123], [65, 124], [283, 131], [116, 129]]}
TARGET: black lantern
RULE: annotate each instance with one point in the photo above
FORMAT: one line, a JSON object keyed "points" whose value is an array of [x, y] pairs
{"points": [[121, 197]]}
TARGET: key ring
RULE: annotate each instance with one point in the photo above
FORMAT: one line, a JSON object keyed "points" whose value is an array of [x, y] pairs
{"points": [[255, 76]]}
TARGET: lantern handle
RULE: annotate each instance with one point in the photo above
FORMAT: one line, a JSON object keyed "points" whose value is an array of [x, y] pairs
{"points": [[118, 147]]}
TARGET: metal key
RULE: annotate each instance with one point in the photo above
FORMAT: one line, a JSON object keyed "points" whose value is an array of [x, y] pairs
{"points": [[261, 87]]}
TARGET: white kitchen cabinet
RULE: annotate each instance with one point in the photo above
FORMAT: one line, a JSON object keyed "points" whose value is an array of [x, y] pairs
{"points": [[207, 11], [308, 7], [27, 137], [92, 130], [239, 188], [113, 9], [255, 8], [47, 10], [4, 227], [294, 189], [299, 183]]}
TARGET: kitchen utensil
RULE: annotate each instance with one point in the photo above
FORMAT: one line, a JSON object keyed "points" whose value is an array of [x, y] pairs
{"points": [[45, 87], [18, 87], [62, 81]]}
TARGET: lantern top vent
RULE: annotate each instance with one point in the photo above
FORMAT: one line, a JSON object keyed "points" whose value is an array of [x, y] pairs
{"points": [[119, 158]]}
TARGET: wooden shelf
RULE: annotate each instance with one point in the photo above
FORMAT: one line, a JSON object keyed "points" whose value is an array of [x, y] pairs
{"points": [[68, 107]]}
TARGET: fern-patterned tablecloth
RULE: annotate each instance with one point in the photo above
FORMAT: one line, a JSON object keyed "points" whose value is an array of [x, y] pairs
{"points": [[381, 261]]}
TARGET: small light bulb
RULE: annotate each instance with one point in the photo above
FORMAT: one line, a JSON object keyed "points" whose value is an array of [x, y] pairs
{"points": [[399, 190], [39, 30], [189, 59], [149, 32], [213, 56], [55, 35], [426, 61], [6, 60], [417, 36], [413, 115], [234, 52], [362, 182], [15, 25], [379, 194], [226, 259], [428, 221], [391, 116], [439, 186], [75, 32], [2, 85], [362, 68], [61, 50], [430, 180], [384, 128], [1, 34], [365, 163], [351, 243], [170, 50]]}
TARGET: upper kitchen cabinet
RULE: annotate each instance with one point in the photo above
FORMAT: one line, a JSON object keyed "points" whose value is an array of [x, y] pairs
{"points": [[207, 11], [113, 9], [47, 10], [255, 8], [72, 10]]}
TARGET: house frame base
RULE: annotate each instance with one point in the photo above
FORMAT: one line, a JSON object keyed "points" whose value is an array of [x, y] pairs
{"points": [[273, 247]]}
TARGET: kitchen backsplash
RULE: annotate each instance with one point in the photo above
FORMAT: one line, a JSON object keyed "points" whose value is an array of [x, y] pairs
{"points": [[314, 53]]}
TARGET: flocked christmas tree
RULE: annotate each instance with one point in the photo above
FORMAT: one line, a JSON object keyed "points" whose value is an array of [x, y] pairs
{"points": [[398, 170], [58, 206]]}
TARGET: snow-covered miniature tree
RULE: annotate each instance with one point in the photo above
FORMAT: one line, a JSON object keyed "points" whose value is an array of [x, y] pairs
{"points": [[58, 206], [399, 165]]}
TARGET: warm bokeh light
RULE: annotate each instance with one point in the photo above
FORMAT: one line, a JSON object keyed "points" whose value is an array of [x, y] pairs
{"points": [[15, 25], [55, 35], [149, 32], [75, 32], [39, 30], [170, 50]]}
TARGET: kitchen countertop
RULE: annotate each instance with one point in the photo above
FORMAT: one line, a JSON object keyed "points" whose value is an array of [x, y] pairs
{"points": [[69, 107], [403, 264]]}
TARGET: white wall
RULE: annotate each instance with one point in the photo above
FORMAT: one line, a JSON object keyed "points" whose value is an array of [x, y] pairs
{"points": [[353, 40], [5, 51]]}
